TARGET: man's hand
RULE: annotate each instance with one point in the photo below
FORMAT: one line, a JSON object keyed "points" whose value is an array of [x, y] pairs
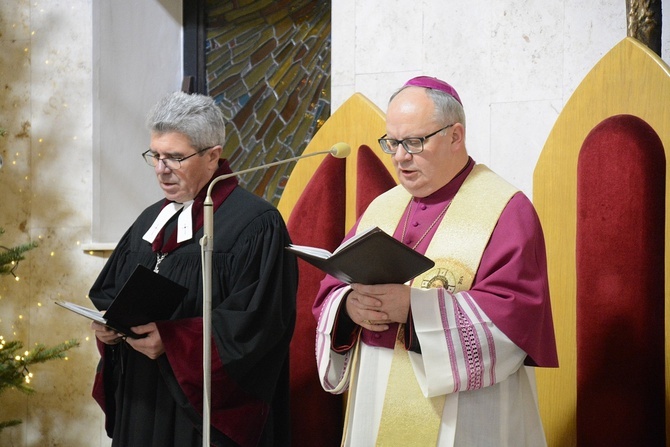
{"points": [[151, 345], [105, 334], [374, 307]]}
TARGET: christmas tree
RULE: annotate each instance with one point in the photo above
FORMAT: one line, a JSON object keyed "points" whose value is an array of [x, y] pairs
{"points": [[14, 363], [14, 360]]}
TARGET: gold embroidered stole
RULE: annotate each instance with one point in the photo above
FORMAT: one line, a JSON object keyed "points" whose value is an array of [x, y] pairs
{"points": [[408, 417]]}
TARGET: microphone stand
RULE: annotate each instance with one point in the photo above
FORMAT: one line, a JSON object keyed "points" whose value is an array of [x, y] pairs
{"points": [[340, 150]]}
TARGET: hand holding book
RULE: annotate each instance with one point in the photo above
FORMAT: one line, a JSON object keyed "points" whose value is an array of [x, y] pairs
{"points": [[145, 297], [370, 257]]}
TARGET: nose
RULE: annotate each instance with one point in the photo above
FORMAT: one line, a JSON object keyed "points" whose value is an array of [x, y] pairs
{"points": [[160, 166], [401, 154]]}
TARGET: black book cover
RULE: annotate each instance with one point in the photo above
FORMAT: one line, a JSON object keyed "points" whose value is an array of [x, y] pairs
{"points": [[145, 297], [370, 257]]}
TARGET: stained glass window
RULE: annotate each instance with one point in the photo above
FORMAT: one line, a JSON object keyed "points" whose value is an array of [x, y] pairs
{"points": [[267, 63]]}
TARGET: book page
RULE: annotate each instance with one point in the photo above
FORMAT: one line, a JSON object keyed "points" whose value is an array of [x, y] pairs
{"points": [[83, 311], [314, 251]]}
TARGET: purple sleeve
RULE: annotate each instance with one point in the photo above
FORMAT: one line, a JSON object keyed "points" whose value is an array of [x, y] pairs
{"points": [[511, 284]]}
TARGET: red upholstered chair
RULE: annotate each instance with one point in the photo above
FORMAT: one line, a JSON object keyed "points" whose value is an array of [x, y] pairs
{"points": [[321, 201], [601, 190]]}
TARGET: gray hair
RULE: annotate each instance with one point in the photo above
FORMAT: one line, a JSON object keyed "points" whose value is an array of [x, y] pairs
{"points": [[196, 116], [447, 108]]}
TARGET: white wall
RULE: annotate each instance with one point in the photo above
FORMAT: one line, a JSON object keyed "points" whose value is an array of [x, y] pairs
{"points": [[514, 63], [137, 58]]}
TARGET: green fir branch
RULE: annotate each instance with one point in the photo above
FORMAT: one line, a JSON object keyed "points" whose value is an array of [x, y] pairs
{"points": [[10, 256], [14, 363], [10, 423], [14, 360]]}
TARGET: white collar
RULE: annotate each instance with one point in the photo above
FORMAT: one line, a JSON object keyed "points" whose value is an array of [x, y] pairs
{"points": [[184, 221]]}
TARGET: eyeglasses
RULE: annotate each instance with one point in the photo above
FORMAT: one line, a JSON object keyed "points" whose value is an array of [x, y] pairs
{"points": [[412, 145], [169, 162]]}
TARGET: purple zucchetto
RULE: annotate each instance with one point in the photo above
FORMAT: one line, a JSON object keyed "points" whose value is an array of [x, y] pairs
{"points": [[434, 83]]}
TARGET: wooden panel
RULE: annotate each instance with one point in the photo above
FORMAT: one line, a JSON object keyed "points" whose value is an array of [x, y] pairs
{"points": [[356, 122], [630, 79]]}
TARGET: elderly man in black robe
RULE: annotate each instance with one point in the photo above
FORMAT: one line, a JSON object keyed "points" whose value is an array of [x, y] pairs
{"points": [[151, 388]]}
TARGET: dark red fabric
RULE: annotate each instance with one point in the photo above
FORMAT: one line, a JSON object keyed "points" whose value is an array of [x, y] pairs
{"points": [[219, 193], [233, 411], [318, 220], [372, 179], [98, 393], [620, 285]]}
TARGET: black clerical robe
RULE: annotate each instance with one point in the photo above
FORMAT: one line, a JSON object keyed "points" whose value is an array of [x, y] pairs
{"points": [[159, 402]]}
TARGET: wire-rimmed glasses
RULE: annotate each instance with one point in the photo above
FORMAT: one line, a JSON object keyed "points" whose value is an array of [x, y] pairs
{"points": [[152, 159]]}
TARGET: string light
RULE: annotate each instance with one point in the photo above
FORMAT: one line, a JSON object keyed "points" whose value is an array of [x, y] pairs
{"points": [[21, 363], [14, 263]]}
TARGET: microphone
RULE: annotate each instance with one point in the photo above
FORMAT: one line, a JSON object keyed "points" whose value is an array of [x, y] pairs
{"points": [[338, 150]]}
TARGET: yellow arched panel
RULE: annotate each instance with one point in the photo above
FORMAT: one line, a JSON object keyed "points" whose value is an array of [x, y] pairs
{"points": [[357, 122], [630, 79]]}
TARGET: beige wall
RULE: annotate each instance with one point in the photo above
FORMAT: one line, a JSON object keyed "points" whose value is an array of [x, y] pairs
{"points": [[45, 182], [75, 91]]}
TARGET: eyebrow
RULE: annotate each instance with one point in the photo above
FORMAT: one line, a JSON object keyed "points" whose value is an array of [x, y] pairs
{"points": [[403, 138], [169, 154]]}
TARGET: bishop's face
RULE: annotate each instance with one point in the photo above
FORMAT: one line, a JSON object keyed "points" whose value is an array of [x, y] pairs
{"points": [[183, 183], [411, 114]]}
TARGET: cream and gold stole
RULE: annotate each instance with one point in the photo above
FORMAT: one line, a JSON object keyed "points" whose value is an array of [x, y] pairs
{"points": [[408, 417]]}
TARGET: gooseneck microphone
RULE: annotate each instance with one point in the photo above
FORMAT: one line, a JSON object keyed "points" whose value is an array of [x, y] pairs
{"points": [[338, 150]]}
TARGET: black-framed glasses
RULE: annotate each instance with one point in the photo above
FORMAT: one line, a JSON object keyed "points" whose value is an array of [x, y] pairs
{"points": [[169, 162], [413, 145]]}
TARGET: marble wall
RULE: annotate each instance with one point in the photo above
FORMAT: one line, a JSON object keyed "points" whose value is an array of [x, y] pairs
{"points": [[514, 62]]}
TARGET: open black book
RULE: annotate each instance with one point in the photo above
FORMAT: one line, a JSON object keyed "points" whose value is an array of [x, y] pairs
{"points": [[145, 297], [370, 257]]}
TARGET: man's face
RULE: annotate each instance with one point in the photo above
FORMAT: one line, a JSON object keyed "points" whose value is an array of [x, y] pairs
{"points": [[183, 184], [412, 114]]}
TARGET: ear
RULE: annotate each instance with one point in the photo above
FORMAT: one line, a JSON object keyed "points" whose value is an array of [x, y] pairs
{"points": [[215, 153], [458, 134]]}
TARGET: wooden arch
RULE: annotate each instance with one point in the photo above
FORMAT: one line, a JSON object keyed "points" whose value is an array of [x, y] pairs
{"points": [[320, 203], [358, 122], [629, 80]]}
